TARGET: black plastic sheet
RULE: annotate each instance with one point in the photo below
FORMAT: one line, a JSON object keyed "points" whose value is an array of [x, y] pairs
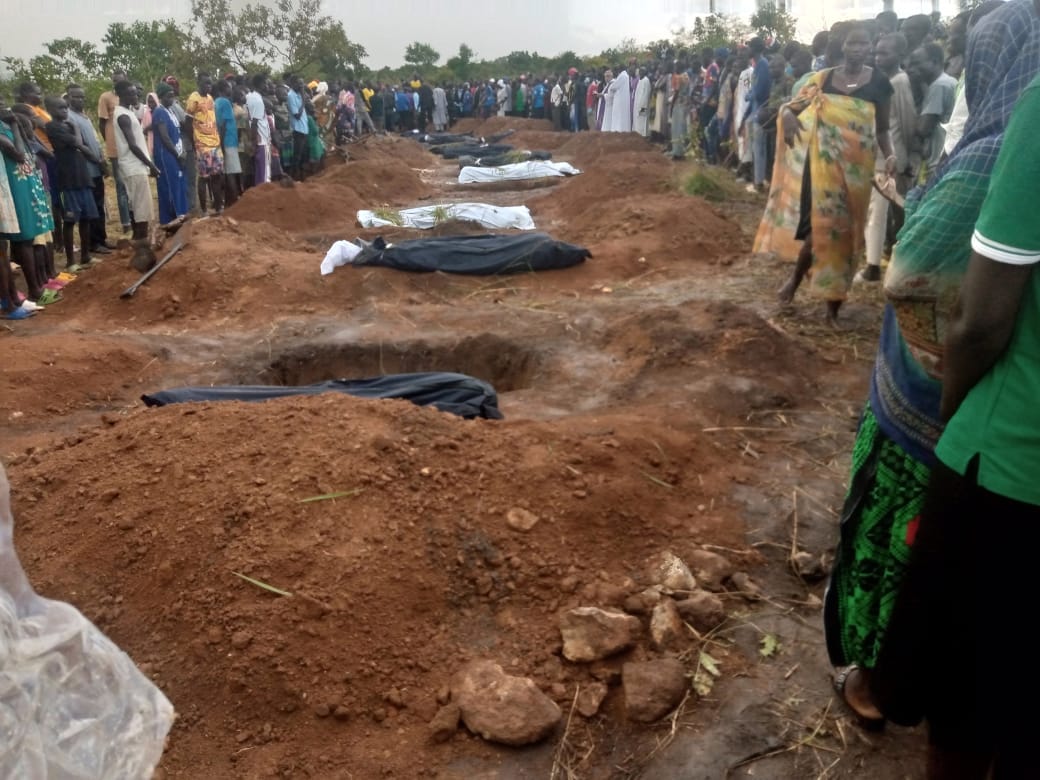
{"points": [[480, 255], [458, 394]]}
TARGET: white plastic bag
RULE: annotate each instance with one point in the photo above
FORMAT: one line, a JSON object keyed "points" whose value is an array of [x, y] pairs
{"points": [[73, 706], [340, 253], [426, 217], [532, 169]]}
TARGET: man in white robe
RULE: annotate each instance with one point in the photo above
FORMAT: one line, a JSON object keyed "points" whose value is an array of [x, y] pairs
{"points": [[742, 127], [641, 108], [440, 109], [621, 106]]}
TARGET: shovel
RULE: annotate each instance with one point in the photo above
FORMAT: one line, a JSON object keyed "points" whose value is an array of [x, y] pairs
{"points": [[180, 238]]}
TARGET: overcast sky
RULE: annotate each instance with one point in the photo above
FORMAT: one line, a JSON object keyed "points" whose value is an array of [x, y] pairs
{"points": [[492, 28]]}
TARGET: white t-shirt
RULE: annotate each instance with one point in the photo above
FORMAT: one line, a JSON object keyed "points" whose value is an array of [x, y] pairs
{"points": [[129, 164], [255, 107]]}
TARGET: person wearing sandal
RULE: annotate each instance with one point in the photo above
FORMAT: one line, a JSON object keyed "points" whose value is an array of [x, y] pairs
{"points": [[32, 208], [894, 452]]}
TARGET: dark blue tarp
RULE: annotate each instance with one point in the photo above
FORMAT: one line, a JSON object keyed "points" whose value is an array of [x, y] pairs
{"points": [[459, 394], [479, 255], [477, 149]]}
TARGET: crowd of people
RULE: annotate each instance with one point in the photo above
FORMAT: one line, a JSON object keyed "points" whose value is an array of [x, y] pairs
{"points": [[897, 138]]}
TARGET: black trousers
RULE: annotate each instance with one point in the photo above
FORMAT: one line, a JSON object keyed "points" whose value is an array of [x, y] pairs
{"points": [[301, 154], [98, 233], [957, 651]]}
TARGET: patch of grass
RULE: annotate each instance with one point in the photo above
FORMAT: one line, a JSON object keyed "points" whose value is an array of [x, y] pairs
{"points": [[706, 184], [390, 215], [441, 214]]}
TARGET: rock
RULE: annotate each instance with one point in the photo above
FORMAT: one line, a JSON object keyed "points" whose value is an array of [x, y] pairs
{"points": [[710, 569], [666, 625], [240, 640], [521, 520], [653, 688], [394, 697], [808, 566], [501, 708], [341, 713], [590, 633], [669, 571], [590, 697], [606, 672], [747, 587], [445, 723], [643, 603], [322, 710], [702, 610]]}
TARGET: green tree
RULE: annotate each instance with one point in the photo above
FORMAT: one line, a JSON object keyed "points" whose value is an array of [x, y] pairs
{"points": [[627, 50], [771, 20], [421, 55], [459, 65], [292, 35], [146, 51]]}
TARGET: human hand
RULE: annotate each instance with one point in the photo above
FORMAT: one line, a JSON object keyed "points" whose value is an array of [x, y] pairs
{"points": [[792, 127], [890, 166]]}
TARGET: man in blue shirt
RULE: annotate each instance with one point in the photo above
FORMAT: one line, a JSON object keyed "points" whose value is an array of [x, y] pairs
{"points": [[298, 123], [758, 96], [538, 101], [405, 107], [228, 132]]}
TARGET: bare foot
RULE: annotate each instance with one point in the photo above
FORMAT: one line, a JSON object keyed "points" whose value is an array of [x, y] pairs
{"points": [[786, 293], [833, 307], [857, 695]]}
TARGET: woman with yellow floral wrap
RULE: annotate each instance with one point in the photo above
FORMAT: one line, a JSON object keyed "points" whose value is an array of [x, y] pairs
{"points": [[826, 149]]}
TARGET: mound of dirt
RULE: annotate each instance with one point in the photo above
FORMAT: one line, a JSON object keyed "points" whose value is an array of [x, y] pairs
{"points": [[499, 124], [626, 204], [384, 173], [412, 571]]}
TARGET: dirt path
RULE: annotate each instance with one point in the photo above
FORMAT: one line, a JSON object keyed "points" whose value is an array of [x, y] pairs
{"points": [[655, 400]]}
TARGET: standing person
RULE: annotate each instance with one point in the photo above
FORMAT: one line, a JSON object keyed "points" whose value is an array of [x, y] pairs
{"points": [[894, 452], [440, 109], [298, 125], [680, 109], [107, 104], [985, 475], [591, 102], [621, 107], [75, 185], [209, 160], [10, 308], [32, 217], [761, 86], [177, 109], [741, 127], [538, 101], [378, 110], [659, 123], [426, 106], [605, 110], [77, 101], [260, 130], [246, 148], [227, 131], [940, 92], [136, 168], [641, 108], [889, 52], [821, 189], [556, 101], [169, 157], [362, 108]]}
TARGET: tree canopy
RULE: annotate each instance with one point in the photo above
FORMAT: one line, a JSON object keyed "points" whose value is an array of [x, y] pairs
{"points": [[421, 55]]}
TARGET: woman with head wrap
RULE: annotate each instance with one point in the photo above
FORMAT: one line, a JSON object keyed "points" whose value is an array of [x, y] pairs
{"points": [[894, 450]]}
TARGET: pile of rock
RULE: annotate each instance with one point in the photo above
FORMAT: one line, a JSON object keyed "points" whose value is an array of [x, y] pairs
{"points": [[652, 623]]}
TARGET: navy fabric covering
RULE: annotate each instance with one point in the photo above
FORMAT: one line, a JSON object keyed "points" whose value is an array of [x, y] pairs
{"points": [[481, 255], [459, 394]]}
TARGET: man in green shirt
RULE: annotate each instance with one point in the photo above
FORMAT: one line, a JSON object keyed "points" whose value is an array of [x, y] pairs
{"points": [[957, 648]]}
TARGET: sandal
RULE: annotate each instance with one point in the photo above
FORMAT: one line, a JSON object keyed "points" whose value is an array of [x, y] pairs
{"points": [[840, 679], [48, 297], [19, 314]]}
